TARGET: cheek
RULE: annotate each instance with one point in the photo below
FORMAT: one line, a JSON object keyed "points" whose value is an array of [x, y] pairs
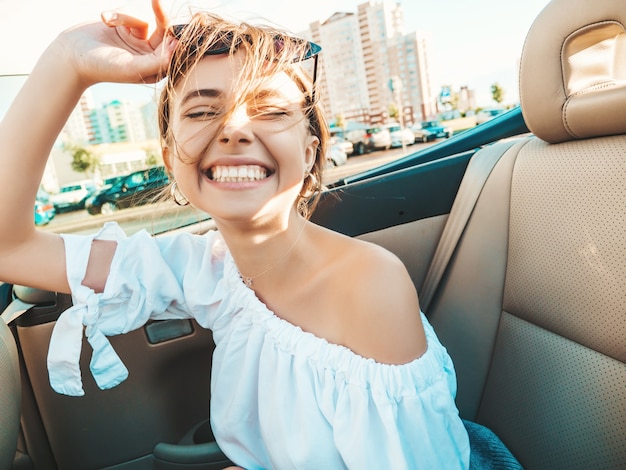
{"points": [[183, 171], [191, 141]]}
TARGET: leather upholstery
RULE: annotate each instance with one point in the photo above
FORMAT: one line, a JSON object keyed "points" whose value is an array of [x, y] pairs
{"points": [[573, 71], [533, 306], [9, 396]]}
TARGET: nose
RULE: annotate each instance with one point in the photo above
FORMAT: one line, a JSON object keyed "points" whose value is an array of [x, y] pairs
{"points": [[236, 128]]}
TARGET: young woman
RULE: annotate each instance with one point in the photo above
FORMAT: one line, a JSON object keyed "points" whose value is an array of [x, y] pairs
{"points": [[306, 374]]}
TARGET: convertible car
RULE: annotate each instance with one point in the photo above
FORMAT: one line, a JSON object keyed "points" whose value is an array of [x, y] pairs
{"points": [[514, 233]]}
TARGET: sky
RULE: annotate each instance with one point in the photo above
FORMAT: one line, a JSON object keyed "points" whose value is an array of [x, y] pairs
{"points": [[473, 43]]}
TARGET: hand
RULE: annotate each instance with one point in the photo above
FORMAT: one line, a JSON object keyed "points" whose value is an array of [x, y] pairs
{"points": [[119, 49]]}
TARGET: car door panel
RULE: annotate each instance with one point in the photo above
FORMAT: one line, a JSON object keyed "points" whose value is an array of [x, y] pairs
{"points": [[166, 394]]}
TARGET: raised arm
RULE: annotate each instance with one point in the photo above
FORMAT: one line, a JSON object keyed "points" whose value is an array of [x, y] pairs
{"points": [[116, 49]]}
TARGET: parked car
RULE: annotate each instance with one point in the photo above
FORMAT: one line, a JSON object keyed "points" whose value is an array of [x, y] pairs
{"points": [[488, 114], [110, 181], [73, 196], [422, 135], [138, 188], [44, 212], [337, 156], [437, 129], [400, 135], [378, 138], [356, 136], [363, 138], [344, 144]]}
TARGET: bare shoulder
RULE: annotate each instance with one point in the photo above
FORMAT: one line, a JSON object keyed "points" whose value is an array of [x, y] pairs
{"points": [[383, 317]]}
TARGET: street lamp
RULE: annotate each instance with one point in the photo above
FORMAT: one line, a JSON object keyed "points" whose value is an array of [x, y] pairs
{"points": [[395, 85]]}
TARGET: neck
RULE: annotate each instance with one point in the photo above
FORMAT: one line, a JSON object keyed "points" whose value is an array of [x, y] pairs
{"points": [[261, 250]]}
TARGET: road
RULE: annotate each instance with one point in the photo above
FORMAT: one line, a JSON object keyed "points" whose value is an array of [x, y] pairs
{"points": [[362, 163], [160, 217]]}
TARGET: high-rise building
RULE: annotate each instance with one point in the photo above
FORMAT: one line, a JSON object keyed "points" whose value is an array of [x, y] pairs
{"points": [[124, 122], [370, 67], [115, 121], [78, 128], [129, 128], [342, 79]]}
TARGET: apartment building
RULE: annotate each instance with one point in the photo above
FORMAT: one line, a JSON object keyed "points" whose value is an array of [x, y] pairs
{"points": [[120, 132], [369, 65]]}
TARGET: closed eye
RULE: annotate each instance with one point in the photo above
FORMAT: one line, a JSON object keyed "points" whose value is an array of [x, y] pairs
{"points": [[271, 113], [270, 104], [203, 114]]}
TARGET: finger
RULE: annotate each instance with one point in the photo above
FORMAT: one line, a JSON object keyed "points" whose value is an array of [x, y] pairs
{"points": [[153, 67], [162, 23], [164, 54], [137, 27]]}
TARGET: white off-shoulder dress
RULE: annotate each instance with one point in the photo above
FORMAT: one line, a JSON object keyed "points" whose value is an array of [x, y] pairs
{"points": [[281, 398]]}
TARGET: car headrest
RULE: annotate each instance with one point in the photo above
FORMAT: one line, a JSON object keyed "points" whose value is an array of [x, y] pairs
{"points": [[573, 71]]}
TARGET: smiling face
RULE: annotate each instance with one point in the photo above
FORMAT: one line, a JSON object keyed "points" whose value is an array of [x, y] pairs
{"points": [[238, 156]]}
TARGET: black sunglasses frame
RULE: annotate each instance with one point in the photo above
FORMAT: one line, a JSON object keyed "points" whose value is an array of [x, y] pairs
{"points": [[312, 49]]}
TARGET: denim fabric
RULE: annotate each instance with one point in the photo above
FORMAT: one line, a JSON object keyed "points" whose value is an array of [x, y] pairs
{"points": [[488, 452]]}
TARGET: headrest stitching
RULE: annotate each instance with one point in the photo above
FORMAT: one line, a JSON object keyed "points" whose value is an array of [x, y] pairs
{"points": [[565, 123], [597, 87]]}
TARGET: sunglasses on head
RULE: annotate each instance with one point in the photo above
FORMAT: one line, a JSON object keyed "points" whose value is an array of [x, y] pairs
{"points": [[225, 44]]}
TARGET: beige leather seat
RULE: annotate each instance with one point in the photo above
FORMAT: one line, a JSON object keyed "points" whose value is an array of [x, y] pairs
{"points": [[9, 397], [532, 307]]}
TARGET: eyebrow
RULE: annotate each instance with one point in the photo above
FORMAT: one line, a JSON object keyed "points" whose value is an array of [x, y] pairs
{"points": [[202, 93], [271, 94], [263, 94]]}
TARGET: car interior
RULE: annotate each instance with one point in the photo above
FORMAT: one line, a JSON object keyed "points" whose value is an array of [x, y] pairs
{"points": [[514, 233]]}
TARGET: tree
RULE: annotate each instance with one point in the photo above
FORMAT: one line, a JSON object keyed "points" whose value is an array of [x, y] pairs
{"points": [[153, 157], [393, 111], [497, 93], [83, 160], [340, 121]]}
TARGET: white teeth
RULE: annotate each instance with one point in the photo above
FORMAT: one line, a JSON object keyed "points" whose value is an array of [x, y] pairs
{"points": [[237, 174]]}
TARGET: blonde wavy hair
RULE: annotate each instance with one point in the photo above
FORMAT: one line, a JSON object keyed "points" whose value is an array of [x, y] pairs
{"points": [[268, 51]]}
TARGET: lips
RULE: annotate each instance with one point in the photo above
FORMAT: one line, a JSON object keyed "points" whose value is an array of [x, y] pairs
{"points": [[237, 174]]}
